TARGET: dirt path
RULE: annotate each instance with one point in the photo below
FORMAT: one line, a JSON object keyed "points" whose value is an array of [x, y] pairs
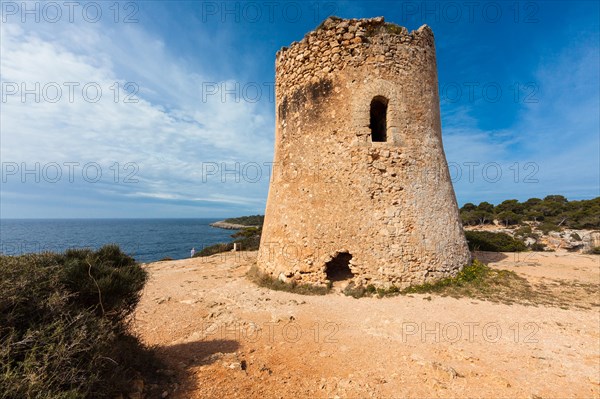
{"points": [[222, 336]]}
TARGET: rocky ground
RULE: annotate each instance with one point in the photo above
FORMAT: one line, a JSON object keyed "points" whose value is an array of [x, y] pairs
{"points": [[573, 240], [222, 336]]}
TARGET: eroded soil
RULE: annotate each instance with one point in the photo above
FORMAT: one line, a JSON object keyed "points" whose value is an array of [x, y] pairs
{"points": [[222, 336]]}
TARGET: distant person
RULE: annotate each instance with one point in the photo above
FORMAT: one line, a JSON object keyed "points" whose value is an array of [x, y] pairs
{"points": [[192, 252]]}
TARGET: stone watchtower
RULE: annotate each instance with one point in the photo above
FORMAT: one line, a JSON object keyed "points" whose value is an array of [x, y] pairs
{"points": [[360, 187]]}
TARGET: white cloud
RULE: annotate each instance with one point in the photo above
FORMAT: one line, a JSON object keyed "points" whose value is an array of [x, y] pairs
{"points": [[168, 133]]}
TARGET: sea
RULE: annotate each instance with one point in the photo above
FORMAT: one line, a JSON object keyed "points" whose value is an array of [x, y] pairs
{"points": [[147, 240]]}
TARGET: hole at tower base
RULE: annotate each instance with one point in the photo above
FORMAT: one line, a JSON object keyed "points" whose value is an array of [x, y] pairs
{"points": [[378, 122], [338, 268]]}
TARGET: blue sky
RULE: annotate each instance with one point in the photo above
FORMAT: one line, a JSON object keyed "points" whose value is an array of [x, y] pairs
{"points": [[165, 109]]}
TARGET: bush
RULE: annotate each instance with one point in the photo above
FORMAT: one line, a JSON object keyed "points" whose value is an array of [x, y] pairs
{"points": [[358, 291], [249, 243], [547, 227], [267, 281], [538, 247], [393, 28], [509, 218], [524, 231], [214, 249], [62, 324], [254, 220], [472, 274], [106, 281], [553, 209], [595, 251], [247, 238], [495, 242]]}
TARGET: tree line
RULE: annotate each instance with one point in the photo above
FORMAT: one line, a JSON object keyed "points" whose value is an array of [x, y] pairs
{"points": [[554, 211]]}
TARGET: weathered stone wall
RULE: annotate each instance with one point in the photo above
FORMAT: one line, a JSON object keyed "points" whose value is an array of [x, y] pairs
{"points": [[389, 204]]}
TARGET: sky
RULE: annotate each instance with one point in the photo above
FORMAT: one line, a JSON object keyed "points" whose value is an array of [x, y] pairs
{"points": [[157, 109]]}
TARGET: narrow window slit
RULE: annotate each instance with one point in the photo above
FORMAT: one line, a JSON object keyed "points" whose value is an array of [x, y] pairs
{"points": [[378, 122]]}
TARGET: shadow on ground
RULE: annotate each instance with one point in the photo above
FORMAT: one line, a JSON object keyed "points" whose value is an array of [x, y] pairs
{"points": [[486, 257], [182, 358]]}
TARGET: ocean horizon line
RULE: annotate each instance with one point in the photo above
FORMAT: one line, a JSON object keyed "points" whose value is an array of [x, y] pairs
{"points": [[118, 218]]}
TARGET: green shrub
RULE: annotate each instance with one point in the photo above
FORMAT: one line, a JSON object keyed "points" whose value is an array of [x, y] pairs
{"points": [[356, 291], [553, 209], [254, 220], [62, 328], [479, 281], [538, 247], [107, 281], [322, 24], [595, 251], [547, 227], [247, 232], [267, 281], [495, 242], [393, 28], [523, 231], [214, 249], [247, 238], [469, 275], [509, 217]]}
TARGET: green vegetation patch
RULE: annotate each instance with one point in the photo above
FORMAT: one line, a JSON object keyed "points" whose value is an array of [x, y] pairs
{"points": [[554, 212], [331, 17], [393, 28], [254, 220], [267, 281], [538, 247], [479, 281], [247, 238], [359, 291], [495, 242], [476, 280], [214, 249], [63, 329]]}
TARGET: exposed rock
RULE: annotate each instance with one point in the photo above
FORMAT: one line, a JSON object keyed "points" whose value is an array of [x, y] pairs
{"points": [[235, 366], [229, 226]]}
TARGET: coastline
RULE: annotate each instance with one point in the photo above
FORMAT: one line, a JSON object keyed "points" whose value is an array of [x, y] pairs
{"points": [[228, 226]]}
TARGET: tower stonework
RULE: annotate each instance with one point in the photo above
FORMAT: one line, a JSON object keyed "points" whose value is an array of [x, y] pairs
{"points": [[360, 179]]}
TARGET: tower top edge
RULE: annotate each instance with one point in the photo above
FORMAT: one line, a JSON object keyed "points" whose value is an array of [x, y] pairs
{"points": [[363, 27]]}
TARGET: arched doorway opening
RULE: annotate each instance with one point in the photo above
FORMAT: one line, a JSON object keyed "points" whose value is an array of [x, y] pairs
{"points": [[338, 268]]}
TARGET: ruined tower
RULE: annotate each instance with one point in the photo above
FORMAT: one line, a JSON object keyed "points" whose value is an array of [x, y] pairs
{"points": [[360, 188]]}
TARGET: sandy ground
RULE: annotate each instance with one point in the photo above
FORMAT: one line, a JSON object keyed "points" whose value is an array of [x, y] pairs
{"points": [[222, 336]]}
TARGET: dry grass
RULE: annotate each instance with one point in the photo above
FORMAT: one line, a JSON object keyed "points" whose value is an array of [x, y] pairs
{"points": [[479, 281], [267, 281], [567, 294]]}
